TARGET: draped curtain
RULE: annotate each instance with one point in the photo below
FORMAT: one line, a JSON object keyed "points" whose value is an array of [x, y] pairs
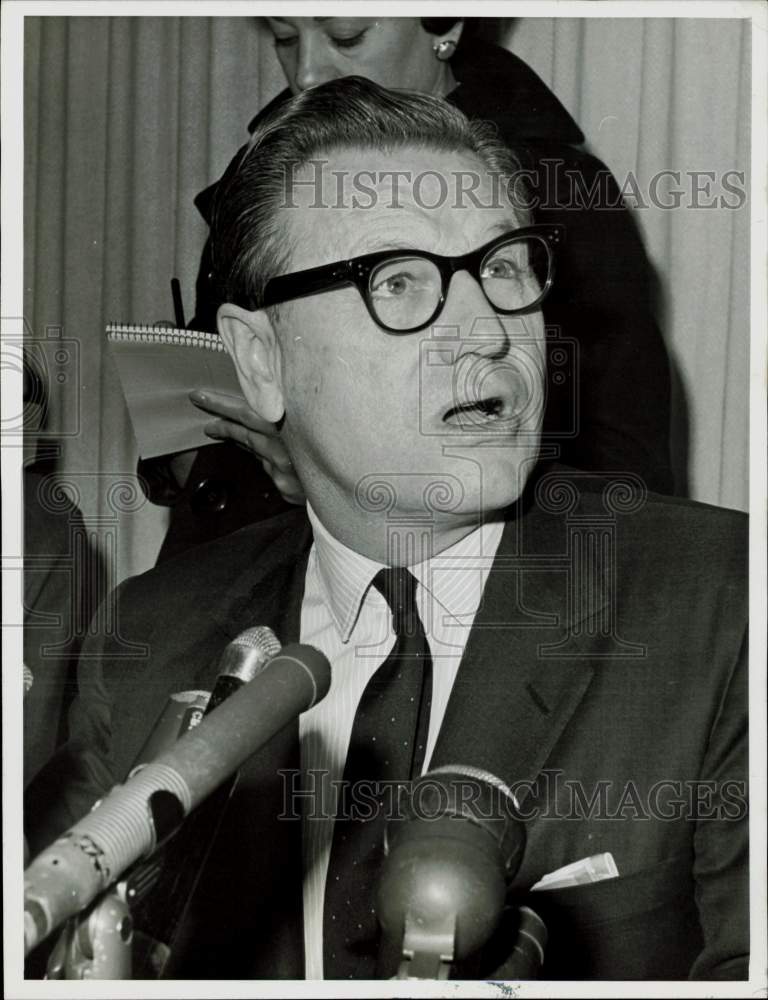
{"points": [[673, 94], [126, 119]]}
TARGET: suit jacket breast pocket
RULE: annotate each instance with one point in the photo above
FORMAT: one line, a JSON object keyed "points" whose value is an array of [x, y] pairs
{"points": [[640, 926]]}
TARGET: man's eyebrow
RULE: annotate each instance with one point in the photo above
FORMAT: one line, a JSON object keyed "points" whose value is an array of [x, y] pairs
{"points": [[506, 226], [374, 246]]}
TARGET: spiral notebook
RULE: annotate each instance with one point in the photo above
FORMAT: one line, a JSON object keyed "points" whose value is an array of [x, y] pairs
{"points": [[158, 368]]}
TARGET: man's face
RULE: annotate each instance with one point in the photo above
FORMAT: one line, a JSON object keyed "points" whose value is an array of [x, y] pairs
{"points": [[448, 418], [391, 51]]}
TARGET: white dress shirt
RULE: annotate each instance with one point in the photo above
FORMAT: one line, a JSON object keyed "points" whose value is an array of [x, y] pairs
{"points": [[350, 621]]}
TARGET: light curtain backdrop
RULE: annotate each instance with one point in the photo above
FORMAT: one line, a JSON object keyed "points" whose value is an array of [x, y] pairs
{"points": [[126, 119]]}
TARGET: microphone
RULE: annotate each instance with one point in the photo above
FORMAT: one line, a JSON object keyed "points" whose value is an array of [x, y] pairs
{"points": [[527, 957], [160, 888], [129, 822], [183, 711], [241, 660], [450, 854]]}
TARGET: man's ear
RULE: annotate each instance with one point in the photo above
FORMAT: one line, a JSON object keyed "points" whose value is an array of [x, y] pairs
{"points": [[252, 344]]}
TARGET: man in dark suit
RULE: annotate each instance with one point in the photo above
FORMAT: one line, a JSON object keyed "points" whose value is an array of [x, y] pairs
{"points": [[574, 636]]}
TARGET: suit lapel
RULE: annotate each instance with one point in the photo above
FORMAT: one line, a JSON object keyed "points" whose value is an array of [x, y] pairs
{"points": [[270, 591], [511, 701]]}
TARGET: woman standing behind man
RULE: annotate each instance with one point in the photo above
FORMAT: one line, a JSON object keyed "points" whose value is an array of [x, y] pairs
{"points": [[608, 383]]}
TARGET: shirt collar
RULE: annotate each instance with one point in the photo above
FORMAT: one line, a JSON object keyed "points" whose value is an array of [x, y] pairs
{"points": [[346, 575]]}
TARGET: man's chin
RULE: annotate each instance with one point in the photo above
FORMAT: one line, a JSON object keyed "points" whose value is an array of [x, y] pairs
{"points": [[493, 478]]}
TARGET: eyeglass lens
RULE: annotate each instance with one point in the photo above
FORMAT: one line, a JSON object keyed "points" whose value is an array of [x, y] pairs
{"points": [[405, 292]]}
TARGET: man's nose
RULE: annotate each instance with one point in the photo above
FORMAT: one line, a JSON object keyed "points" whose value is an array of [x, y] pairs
{"points": [[313, 67], [482, 330]]}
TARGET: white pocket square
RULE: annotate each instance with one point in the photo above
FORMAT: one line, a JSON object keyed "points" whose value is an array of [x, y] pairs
{"points": [[594, 869]]}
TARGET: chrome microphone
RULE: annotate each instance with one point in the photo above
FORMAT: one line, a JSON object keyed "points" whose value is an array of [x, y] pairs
{"points": [[241, 661]]}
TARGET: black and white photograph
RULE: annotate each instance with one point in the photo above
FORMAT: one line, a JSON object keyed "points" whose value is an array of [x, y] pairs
{"points": [[384, 498]]}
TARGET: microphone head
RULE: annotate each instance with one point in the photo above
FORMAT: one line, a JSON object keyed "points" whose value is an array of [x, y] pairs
{"points": [[249, 653], [485, 800], [455, 844]]}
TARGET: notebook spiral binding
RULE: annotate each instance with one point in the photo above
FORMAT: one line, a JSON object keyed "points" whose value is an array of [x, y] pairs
{"points": [[136, 333]]}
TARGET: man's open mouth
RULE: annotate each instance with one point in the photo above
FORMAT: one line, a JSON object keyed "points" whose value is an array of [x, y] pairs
{"points": [[480, 411]]}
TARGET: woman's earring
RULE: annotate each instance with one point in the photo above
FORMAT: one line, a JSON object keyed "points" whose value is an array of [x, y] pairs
{"points": [[445, 49]]}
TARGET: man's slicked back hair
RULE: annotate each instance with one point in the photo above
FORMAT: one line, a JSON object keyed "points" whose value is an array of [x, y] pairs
{"points": [[249, 244]]}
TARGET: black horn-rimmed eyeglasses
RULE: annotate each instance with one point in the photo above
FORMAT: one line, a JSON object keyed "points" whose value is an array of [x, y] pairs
{"points": [[405, 290]]}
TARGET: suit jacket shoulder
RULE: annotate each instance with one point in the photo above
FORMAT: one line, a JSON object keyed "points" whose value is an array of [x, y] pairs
{"points": [[202, 580], [158, 633]]}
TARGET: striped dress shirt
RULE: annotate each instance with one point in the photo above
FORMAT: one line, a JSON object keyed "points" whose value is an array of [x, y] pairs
{"points": [[349, 621]]}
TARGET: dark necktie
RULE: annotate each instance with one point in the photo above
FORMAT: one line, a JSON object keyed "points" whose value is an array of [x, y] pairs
{"points": [[387, 745]]}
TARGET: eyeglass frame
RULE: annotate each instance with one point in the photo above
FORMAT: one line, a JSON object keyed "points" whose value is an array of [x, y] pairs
{"points": [[357, 271]]}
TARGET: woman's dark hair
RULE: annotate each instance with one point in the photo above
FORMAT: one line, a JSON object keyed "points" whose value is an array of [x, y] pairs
{"points": [[438, 25], [442, 25]]}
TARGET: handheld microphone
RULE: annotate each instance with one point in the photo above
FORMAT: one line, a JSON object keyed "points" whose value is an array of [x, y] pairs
{"points": [[451, 852], [134, 817], [241, 660]]}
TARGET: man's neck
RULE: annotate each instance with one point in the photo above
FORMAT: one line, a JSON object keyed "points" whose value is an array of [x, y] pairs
{"points": [[395, 538]]}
